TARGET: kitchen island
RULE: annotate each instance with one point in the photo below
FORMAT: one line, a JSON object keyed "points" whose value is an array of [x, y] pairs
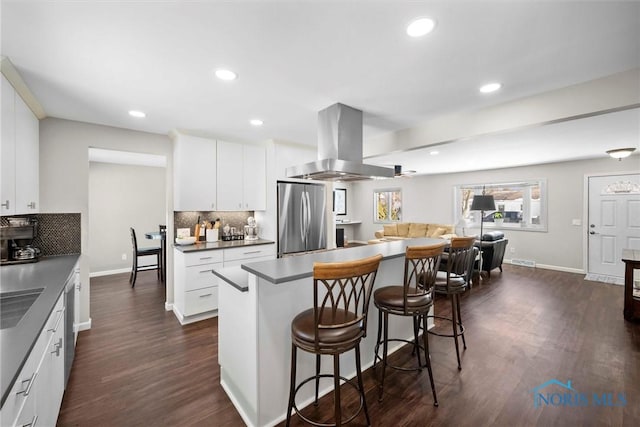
{"points": [[257, 303]]}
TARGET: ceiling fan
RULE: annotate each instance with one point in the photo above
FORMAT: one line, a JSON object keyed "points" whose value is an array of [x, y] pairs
{"points": [[399, 173]]}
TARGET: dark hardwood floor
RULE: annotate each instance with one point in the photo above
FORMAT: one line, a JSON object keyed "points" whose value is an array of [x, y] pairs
{"points": [[137, 365]]}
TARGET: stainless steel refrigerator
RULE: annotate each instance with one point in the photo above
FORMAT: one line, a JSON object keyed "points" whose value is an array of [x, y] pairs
{"points": [[301, 217]]}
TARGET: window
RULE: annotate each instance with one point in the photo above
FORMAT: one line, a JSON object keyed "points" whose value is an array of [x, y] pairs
{"points": [[522, 205]]}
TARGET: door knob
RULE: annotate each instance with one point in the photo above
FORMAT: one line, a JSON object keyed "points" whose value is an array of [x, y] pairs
{"points": [[593, 232]]}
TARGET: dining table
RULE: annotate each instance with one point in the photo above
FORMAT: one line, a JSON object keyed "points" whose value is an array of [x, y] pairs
{"points": [[162, 236]]}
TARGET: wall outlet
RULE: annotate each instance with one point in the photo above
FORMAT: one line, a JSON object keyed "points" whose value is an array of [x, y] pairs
{"points": [[512, 250], [124, 257]]}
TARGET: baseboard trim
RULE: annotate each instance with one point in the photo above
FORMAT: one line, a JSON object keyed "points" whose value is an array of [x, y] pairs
{"points": [[612, 280], [168, 306], [551, 267], [109, 272], [84, 326]]}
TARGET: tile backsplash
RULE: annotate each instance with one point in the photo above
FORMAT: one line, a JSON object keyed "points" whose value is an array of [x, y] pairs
{"points": [[188, 219], [58, 234]]}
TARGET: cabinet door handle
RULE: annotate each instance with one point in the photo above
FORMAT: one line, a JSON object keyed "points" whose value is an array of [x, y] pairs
{"points": [[55, 328], [206, 271], [6, 204], [58, 346], [33, 422], [205, 295], [251, 252], [28, 389], [32, 205], [206, 257]]}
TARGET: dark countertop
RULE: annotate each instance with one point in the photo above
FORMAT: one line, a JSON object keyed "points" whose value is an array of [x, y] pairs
{"points": [[300, 266], [49, 273], [207, 246], [235, 276]]}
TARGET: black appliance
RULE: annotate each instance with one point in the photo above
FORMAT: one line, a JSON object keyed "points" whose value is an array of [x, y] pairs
{"points": [[16, 240]]}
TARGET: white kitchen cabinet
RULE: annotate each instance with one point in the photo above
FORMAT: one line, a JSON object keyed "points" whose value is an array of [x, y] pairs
{"points": [[241, 177], [229, 176], [37, 393], [210, 175], [194, 174], [27, 159], [20, 155], [253, 253], [254, 178], [195, 286], [8, 149]]}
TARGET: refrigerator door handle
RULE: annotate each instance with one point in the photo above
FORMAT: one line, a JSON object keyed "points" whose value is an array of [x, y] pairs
{"points": [[308, 212], [302, 219]]}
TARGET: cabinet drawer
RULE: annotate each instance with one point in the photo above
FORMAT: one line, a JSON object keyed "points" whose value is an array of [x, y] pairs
{"points": [[201, 300], [56, 318], [202, 257], [201, 276], [248, 252], [28, 376]]}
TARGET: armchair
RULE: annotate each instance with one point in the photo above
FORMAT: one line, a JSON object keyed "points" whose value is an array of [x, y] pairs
{"points": [[493, 246]]}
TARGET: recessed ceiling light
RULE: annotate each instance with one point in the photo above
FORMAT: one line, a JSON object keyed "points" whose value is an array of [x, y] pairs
{"points": [[226, 75], [420, 27], [490, 87], [434, 152], [135, 113], [256, 122]]}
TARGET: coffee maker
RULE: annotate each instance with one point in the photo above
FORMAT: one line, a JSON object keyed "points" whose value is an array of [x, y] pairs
{"points": [[16, 240]]}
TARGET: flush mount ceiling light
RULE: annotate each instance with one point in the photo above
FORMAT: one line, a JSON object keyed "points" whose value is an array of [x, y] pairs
{"points": [[226, 75], [490, 87], [420, 27], [135, 113], [256, 122], [434, 152], [621, 153]]}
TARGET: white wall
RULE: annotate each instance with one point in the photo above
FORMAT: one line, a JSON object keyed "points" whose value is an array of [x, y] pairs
{"points": [[123, 196], [429, 198], [64, 178]]}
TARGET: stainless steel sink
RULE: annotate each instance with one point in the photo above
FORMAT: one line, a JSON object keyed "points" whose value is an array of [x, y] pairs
{"points": [[14, 305]]}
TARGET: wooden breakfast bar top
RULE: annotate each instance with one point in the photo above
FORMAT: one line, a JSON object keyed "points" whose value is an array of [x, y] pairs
{"points": [[254, 326]]}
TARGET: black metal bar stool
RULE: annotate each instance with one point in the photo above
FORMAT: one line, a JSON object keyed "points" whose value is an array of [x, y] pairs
{"points": [[413, 298], [336, 323], [138, 252], [453, 281]]}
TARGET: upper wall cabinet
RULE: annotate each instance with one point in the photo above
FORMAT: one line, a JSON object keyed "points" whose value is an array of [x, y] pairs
{"points": [[19, 151], [218, 175], [254, 178], [241, 177], [194, 174]]}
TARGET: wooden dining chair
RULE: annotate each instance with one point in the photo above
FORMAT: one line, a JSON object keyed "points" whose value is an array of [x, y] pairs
{"points": [[141, 252]]}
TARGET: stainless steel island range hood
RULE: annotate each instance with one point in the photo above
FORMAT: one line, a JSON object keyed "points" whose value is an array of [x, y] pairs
{"points": [[339, 149]]}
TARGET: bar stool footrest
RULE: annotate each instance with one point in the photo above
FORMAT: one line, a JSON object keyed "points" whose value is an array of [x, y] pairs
{"points": [[460, 325], [378, 358], [315, 423]]}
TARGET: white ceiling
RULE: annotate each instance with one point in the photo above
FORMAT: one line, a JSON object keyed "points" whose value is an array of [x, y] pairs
{"points": [[94, 61]]}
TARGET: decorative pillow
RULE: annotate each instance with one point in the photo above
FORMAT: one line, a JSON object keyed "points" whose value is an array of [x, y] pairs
{"points": [[433, 228], [403, 229], [440, 231], [417, 230], [391, 230]]}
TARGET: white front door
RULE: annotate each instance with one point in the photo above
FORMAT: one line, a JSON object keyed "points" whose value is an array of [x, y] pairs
{"points": [[613, 224]]}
